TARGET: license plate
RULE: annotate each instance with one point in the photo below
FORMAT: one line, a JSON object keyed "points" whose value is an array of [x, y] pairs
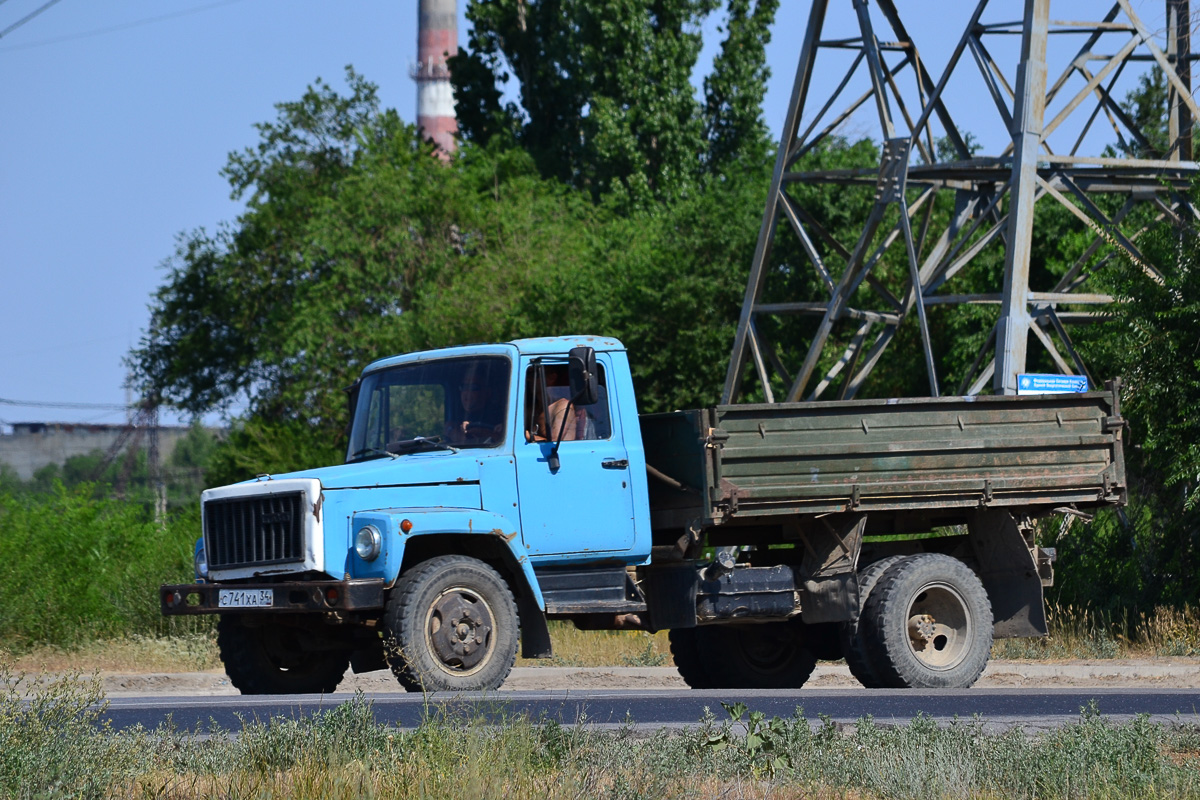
{"points": [[246, 598]]}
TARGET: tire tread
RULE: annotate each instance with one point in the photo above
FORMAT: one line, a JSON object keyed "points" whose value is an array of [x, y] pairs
{"points": [[685, 651], [406, 627], [858, 655], [888, 645]]}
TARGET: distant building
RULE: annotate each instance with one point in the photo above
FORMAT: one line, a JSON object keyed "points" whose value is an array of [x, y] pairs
{"points": [[32, 445]]}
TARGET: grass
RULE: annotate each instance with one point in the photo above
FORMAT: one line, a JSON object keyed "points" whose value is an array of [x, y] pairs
{"points": [[54, 743], [195, 652]]}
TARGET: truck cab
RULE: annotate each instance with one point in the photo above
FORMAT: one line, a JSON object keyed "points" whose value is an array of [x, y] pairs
{"points": [[505, 481]]}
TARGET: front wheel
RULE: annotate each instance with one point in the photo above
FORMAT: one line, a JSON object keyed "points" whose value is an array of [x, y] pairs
{"points": [[451, 625], [929, 624], [270, 658]]}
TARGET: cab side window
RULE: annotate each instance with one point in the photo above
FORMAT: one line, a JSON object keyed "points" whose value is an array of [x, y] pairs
{"points": [[577, 423]]}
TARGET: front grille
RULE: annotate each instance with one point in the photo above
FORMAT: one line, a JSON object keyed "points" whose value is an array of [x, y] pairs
{"points": [[252, 531]]}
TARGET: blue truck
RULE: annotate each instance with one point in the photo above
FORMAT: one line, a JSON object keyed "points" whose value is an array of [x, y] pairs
{"points": [[488, 489]]}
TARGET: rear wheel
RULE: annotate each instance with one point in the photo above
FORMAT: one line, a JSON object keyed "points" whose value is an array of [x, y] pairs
{"points": [[769, 655], [451, 625], [270, 658], [853, 634], [929, 624]]}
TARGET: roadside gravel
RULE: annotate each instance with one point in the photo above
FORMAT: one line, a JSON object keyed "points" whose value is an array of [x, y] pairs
{"points": [[1175, 673]]}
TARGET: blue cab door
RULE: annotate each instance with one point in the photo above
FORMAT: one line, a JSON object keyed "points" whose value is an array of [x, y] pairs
{"points": [[586, 506]]}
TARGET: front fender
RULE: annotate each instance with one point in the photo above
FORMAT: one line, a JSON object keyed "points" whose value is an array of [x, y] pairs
{"points": [[439, 521]]}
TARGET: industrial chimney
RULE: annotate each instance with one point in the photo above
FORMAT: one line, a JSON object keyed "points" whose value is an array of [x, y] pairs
{"points": [[437, 38]]}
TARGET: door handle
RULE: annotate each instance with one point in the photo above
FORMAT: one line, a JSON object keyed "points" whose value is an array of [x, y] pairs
{"points": [[615, 463]]}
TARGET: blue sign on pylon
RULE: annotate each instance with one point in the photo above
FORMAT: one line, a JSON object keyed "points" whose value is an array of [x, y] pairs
{"points": [[1033, 383]]}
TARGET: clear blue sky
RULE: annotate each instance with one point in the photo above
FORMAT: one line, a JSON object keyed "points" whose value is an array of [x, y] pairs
{"points": [[116, 118]]}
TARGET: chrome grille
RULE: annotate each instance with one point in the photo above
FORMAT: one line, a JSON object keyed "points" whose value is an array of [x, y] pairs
{"points": [[253, 531]]}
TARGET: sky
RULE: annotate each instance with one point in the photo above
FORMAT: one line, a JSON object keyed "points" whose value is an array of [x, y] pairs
{"points": [[117, 117]]}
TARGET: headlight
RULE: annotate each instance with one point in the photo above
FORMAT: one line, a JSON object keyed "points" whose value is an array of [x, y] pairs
{"points": [[201, 562], [367, 542]]}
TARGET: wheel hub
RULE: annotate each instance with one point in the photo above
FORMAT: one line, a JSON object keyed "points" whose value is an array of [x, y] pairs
{"points": [[921, 628], [460, 628], [939, 626]]}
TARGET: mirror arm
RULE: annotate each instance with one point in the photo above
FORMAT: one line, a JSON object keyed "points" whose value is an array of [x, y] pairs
{"points": [[562, 430], [552, 459]]}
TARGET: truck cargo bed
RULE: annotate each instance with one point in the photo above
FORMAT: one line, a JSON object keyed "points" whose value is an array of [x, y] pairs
{"points": [[1036, 453]]}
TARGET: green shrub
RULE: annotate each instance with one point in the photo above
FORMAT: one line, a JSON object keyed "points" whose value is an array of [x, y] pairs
{"points": [[74, 568]]}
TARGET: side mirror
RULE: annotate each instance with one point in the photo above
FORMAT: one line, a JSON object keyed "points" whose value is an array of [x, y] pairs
{"points": [[581, 371]]}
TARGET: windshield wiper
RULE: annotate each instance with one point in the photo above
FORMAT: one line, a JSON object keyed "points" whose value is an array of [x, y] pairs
{"points": [[419, 443], [368, 452]]}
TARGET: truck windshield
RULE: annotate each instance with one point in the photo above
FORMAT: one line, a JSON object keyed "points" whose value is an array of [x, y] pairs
{"points": [[450, 403]]}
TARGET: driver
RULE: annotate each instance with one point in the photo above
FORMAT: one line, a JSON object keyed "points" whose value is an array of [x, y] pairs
{"points": [[481, 421]]}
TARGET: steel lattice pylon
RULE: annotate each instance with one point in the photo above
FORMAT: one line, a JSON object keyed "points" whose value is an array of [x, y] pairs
{"points": [[993, 196]]}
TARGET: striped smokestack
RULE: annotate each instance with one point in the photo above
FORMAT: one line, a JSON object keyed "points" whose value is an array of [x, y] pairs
{"points": [[437, 38]]}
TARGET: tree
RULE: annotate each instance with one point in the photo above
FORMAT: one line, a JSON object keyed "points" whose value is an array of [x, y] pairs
{"points": [[352, 235], [606, 101], [1151, 554], [734, 91]]}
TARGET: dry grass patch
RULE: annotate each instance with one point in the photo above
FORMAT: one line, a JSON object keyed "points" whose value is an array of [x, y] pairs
{"points": [[197, 652], [576, 648], [1076, 633], [131, 654]]}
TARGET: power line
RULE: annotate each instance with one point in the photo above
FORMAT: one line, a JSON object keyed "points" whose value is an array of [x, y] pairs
{"points": [[26, 18], [46, 404], [115, 28]]}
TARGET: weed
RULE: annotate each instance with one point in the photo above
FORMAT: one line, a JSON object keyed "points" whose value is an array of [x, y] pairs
{"points": [[53, 742], [648, 656], [760, 744]]}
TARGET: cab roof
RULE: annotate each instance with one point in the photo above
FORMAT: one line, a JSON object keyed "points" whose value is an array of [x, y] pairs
{"points": [[546, 345]]}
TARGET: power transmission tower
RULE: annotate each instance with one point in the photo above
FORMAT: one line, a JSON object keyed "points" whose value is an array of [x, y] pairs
{"points": [[904, 263], [141, 420]]}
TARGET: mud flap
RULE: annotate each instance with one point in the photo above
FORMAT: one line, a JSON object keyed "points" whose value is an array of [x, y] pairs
{"points": [[535, 633], [1009, 573], [830, 568]]}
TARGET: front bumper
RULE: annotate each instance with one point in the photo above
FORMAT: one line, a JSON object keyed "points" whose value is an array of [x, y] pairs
{"points": [[181, 599]]}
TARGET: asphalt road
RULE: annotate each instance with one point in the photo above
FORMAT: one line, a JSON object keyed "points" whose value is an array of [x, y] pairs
{"points": [[1004, 708]]}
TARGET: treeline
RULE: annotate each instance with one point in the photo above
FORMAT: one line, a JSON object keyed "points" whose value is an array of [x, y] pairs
{"points": [[610, 197]]}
